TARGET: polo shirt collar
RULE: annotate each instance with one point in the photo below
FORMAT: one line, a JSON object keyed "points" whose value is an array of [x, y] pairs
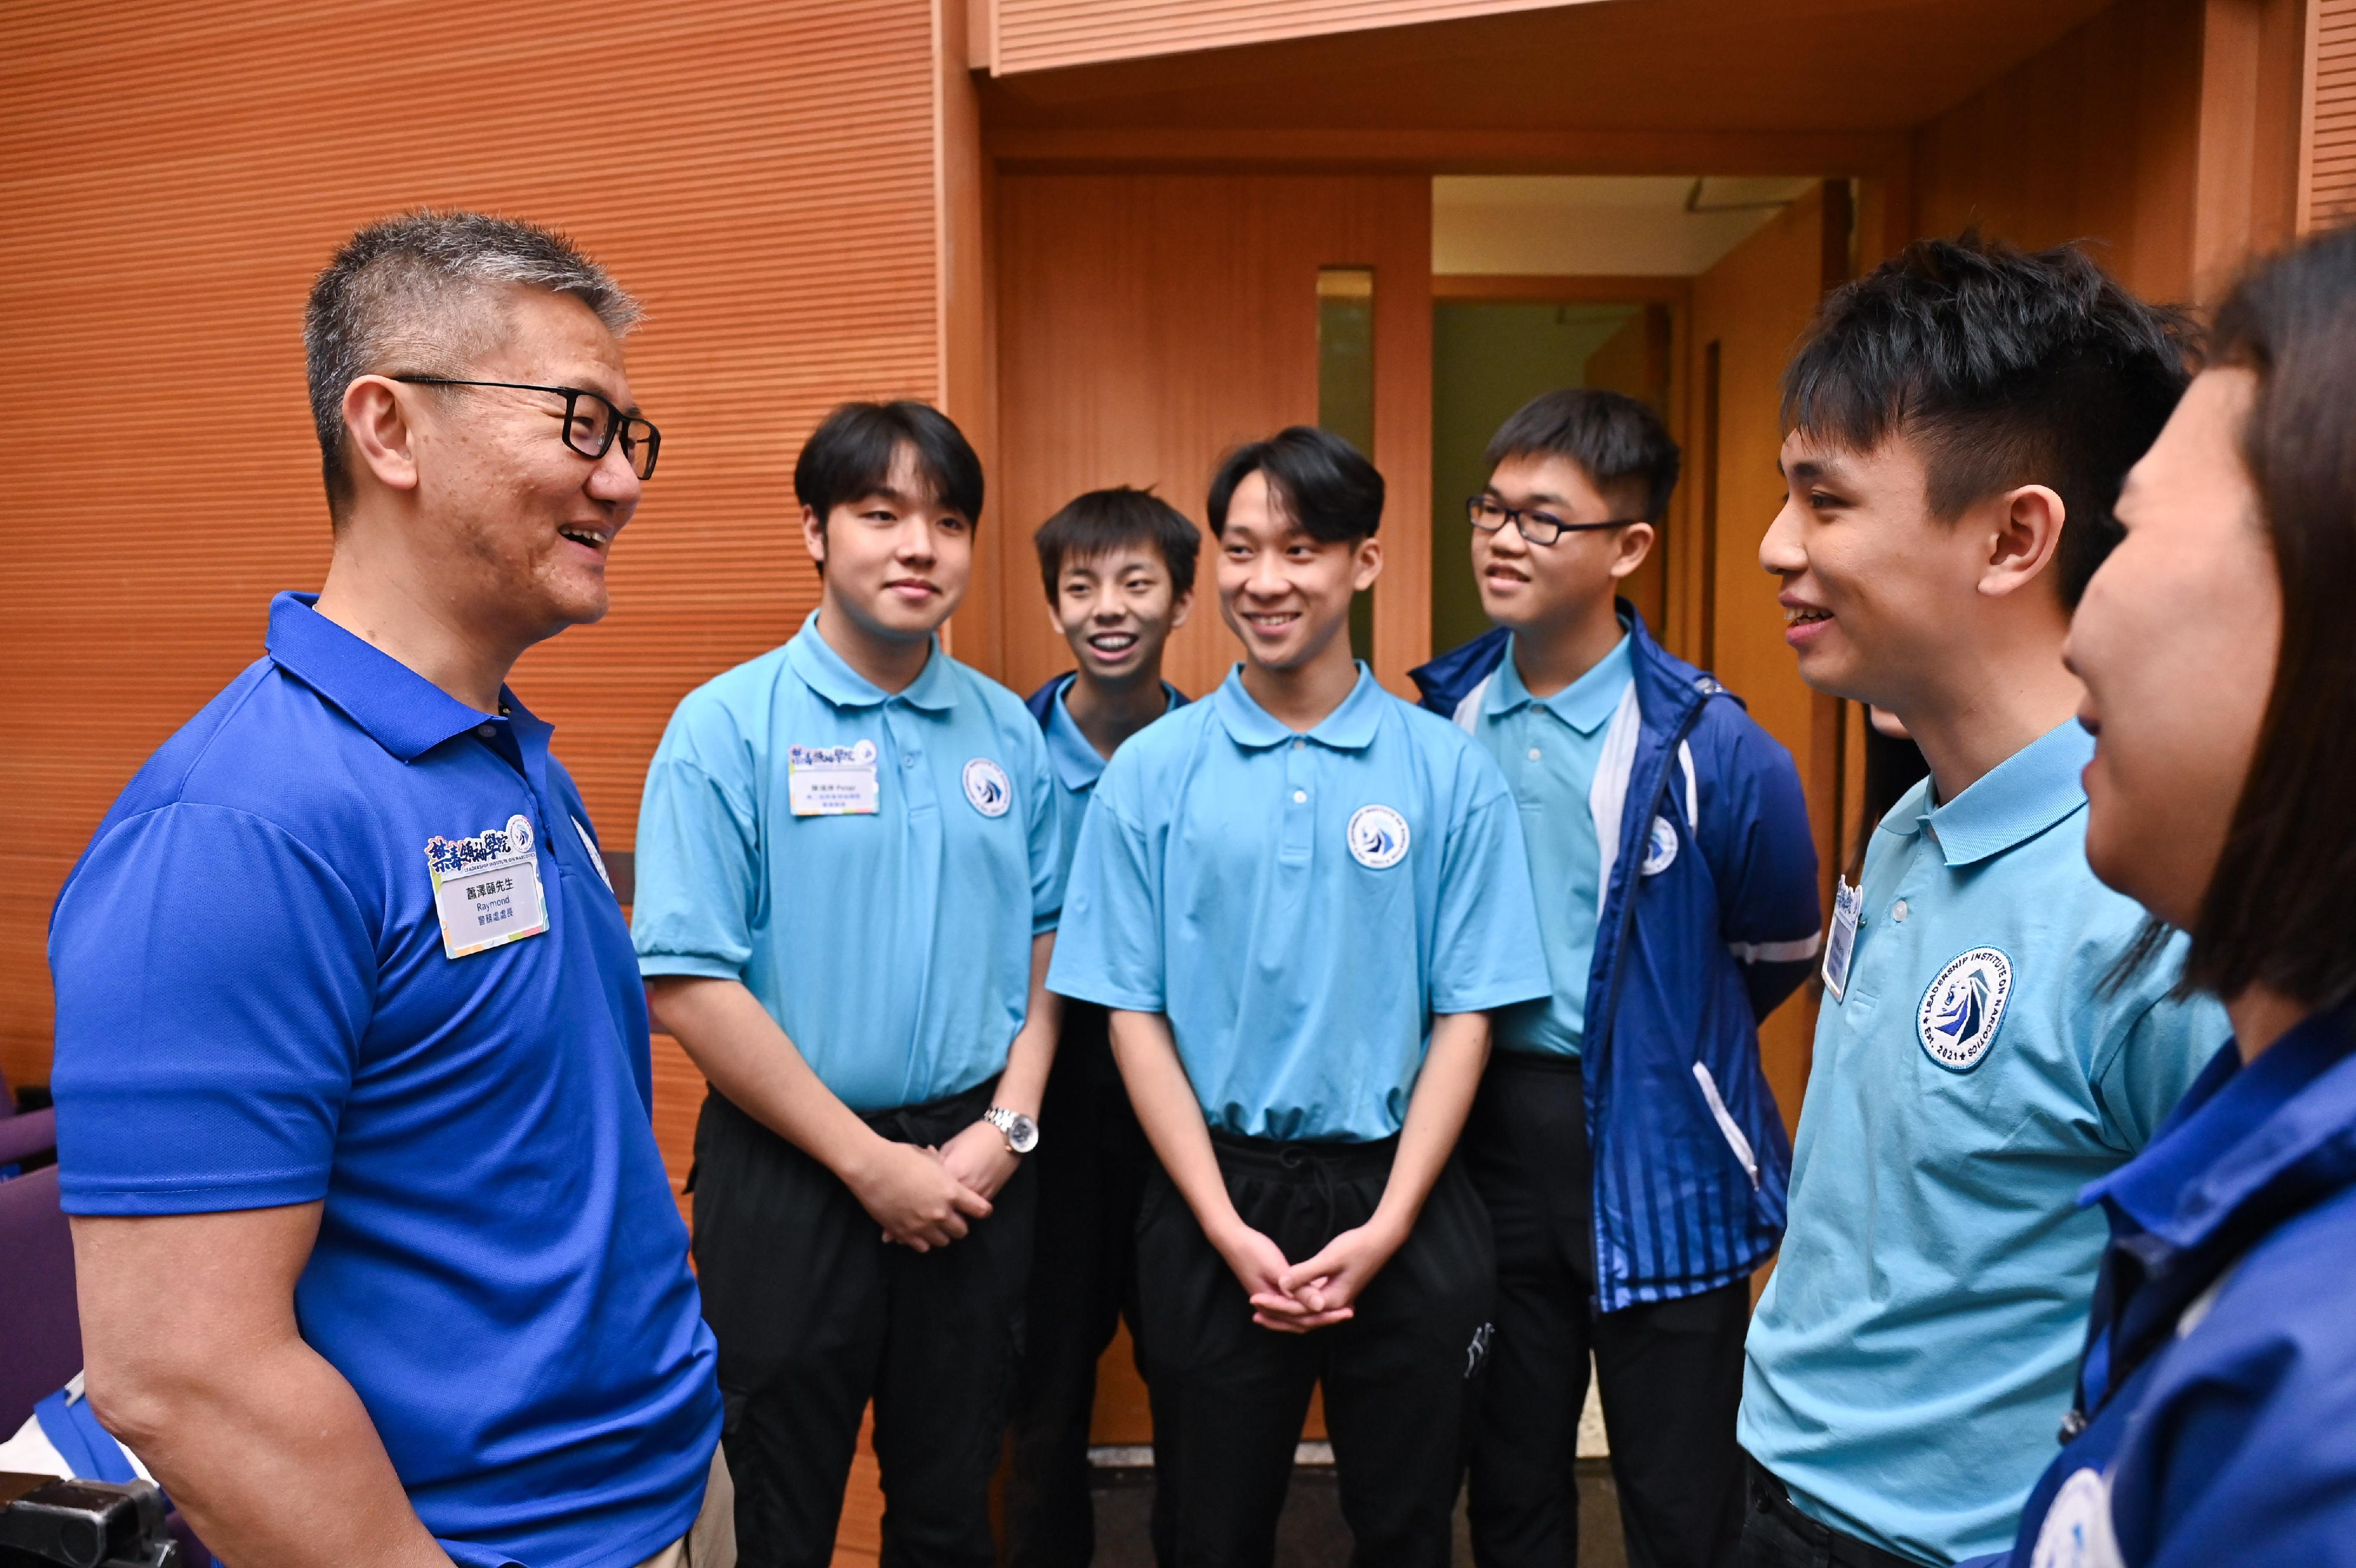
{"points": [[1349, 727], [2283, 1121], [401, 710], [2016, 800], [823, 671], [1586, 704], [1077, 766]]}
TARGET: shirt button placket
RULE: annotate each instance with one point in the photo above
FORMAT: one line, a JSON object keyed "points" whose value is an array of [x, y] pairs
{"points": [[1300, 802]]}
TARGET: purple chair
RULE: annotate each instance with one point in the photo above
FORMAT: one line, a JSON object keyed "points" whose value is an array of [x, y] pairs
{"points": [[28, 1142], [41, 1336]]}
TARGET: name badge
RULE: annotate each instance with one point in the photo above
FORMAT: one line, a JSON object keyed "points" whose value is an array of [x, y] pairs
{"points": [[831, 781], [1848, 903], [486, 889]]}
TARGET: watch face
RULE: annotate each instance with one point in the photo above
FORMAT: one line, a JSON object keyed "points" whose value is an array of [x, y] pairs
{"points": [[1023, 1134]]}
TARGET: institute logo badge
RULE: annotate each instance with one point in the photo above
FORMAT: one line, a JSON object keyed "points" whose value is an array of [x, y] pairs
{"points": [[2077, 1533], [987, 788], [1661, 848], [1964, 1007], [1377, 837]]}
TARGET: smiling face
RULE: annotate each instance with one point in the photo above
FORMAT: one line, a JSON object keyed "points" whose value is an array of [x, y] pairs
{"points": [[2176, 640], [1874, 587], [1525, 585], [1284, 594], [518, 525], [895, 562], [1117, 609]]}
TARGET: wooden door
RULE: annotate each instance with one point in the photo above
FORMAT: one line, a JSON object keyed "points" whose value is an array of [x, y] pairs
{"points": [[1149, 322]]}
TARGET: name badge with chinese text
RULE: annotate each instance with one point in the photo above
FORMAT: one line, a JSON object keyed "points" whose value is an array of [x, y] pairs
{"points": [[831, 781], [486, 889], [1848, 904]]}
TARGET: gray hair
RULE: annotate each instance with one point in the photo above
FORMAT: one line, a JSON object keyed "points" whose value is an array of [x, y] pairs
{"points": [[404, 295]]}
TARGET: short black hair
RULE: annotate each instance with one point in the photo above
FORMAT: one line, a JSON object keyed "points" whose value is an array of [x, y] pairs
{"points": [[1618, 443], [1324, 484], [2007, 368], [1103, 521], [853, 452]]}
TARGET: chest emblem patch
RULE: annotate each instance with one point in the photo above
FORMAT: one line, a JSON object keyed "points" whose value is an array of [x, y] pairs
{"points": [[1661, 848], [1964, 1007], [1377, 837], [986, 787]]}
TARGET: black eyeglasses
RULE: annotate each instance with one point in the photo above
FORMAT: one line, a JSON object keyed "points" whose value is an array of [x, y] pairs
{"points": [[592, 424], [1488, 514]]}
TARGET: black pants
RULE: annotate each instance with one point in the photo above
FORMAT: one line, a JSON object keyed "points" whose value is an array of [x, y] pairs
{"points": [[1671, 1372], [1090, 1175], [1777, 1535], [815, 1314], [1230, 1397]]}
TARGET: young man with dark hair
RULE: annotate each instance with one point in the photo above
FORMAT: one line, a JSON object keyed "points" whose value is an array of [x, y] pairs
{"points": [[1624, 1139], [1302, 898], [849, 873], [1960, 422], [1119, 568]]}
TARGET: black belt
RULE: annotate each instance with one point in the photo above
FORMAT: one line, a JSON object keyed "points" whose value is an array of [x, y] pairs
{"points": [[1768, 1495]]}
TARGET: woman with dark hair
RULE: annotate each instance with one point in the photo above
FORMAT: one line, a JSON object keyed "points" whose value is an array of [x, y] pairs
{"points": [[2216, 1420]]}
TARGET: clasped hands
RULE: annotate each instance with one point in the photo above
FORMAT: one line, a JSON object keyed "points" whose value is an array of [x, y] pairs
{"points": [[1316, 1293], [928, 1197]]}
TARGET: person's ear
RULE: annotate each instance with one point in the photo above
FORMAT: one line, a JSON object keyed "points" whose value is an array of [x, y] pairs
{"points": [[376, 423], [2023, 534], [1635, 542], [1182, 607], [814, 536], [1367, 564]]}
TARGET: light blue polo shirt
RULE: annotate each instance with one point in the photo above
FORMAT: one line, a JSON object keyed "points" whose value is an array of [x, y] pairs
{"points": [[257, 1007], [1300, 905], [1913, 1357], [894, 948], [1077, 763], [1547, 748]]}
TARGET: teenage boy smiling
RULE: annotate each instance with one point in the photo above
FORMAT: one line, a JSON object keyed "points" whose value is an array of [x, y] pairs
{"points": [[1676, 889], [1302, 898], [1960, 420], [1118, 569], [849, 872]]}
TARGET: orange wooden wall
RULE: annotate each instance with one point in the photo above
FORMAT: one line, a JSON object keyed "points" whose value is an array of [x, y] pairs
{"points": [[763, 177]]}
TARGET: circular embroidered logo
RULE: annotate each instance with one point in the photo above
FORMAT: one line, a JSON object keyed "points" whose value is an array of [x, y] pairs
{"points": [[986, 787], [862, 753], [519, 834], [2077, 1531], [1377, 837], [1661, 848], [1961, 1009]]}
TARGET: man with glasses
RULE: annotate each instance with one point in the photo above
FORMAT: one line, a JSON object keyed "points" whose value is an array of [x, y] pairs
{"points": [[377, 1258], [1624, 1139]]}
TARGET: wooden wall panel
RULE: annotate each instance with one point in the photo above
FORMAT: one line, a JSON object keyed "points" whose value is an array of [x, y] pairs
{"points": [[1042, 35], [173, 178], [1752, 307], [2094, 138], [1149, 322], [2328, 182]]}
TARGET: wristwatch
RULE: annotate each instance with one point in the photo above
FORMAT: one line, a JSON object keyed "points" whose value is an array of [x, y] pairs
{"points": [[1020, 1133]]}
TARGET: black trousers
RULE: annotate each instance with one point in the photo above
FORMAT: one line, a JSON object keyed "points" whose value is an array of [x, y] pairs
{"points": [[1230, 1397], [1089, 1171], [1777, 1535], [1670, 1372], [815, 1314]]}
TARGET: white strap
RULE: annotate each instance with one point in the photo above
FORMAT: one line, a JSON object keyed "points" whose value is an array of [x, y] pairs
{"points": [[1798, 952]]}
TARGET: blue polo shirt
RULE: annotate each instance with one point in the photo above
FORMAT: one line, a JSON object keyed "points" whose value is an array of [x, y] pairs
{"points": [[1547, 748], [256, 1008], [1913, 1356], [1300, 905], [1075, 761], [893, 946]]}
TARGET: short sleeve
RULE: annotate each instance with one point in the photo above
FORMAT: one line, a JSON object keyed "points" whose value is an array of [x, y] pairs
{"points": [[698, 864], [215, 978], [1046, 834], [2160, 1047], [1485, 951], [1109, 949]]}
